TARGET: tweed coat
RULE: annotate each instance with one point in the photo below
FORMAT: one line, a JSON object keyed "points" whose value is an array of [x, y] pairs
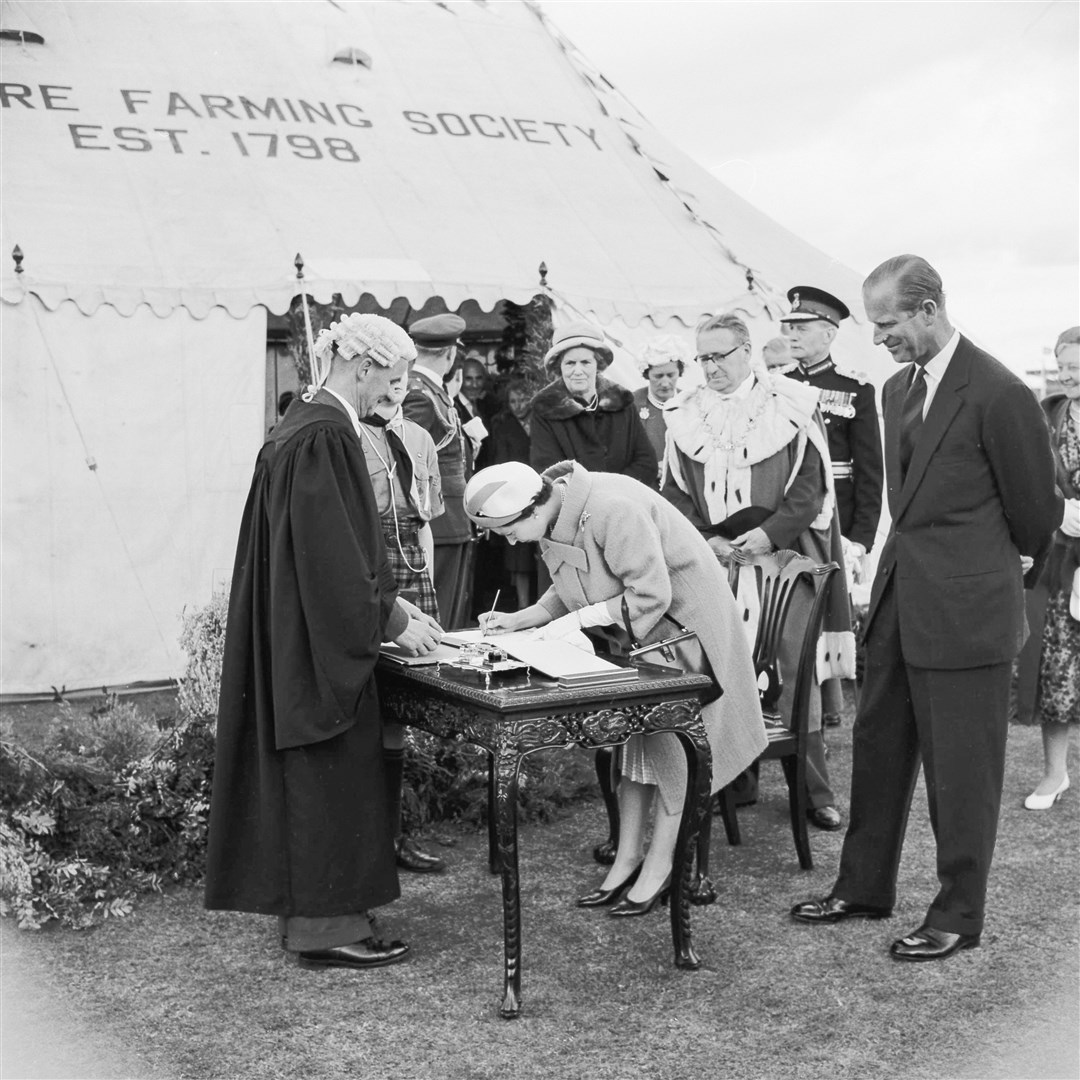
{"points": [[616, 537]]}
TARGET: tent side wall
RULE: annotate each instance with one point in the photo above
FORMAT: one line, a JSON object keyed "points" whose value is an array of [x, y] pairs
{"points": [[99, 562]]}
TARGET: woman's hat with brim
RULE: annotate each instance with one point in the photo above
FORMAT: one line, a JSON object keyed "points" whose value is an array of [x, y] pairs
{"points": [[578, 335], [501, 493]]}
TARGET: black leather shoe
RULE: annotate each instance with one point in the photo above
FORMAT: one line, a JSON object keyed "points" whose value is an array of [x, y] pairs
{"points": [[604, 853], [627, 907], [825, 817], [926, 943], [832, 909], [369, 953], [410, 857], [603, 897]]}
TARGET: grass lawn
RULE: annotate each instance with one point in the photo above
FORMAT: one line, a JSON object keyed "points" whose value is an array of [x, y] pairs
{"points": [[207, 994]]}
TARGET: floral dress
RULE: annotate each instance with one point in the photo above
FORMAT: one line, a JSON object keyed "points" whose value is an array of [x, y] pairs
{"points": [[1059, 665]]}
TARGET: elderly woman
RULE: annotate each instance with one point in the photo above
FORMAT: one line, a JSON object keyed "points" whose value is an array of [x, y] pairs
{"points": [[662, 363], [609, 540], [585, 418], [1057, 703]]}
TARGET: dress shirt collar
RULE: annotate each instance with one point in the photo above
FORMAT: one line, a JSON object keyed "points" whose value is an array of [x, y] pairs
{"points": [[742, 390], [419, 369], [350, 411], [936, 365]]}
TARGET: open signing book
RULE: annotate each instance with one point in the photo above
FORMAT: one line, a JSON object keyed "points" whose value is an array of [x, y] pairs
{"points": [[571, 664]]}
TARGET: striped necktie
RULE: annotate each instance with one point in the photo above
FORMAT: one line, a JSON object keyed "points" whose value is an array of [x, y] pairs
{"points": [[912, 417]]}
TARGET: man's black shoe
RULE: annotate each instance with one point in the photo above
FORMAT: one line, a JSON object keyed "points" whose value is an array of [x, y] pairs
{"points": [[410, 857], [369, 953], [832, 909], [926, 943]]}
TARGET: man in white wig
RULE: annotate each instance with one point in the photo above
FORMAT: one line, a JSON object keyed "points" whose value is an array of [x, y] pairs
{"points": [[747, 452], [299, 817]]}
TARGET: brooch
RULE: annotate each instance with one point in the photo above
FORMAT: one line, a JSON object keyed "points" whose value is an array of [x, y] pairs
{"points": [[584, 518], [643, 412]]}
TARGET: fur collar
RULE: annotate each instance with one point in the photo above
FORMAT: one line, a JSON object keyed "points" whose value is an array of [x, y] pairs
{"points": [[555, 403]]}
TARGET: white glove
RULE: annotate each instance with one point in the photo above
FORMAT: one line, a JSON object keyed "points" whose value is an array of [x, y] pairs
{"points": [[594, 615], [567, 625], [1070, 524]]}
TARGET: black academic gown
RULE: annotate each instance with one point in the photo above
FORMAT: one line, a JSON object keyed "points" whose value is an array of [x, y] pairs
{"points": [[298, 819]]}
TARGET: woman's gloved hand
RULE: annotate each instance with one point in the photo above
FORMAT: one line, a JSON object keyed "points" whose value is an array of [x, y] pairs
{"points": [[567, 625]]}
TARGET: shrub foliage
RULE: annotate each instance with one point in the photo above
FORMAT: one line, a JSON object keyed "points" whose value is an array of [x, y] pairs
{"points": [[115, 804], [85, 828]]}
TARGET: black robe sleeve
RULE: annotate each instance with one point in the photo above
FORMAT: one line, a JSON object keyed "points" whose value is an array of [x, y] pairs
{"points": [[331, 590]]}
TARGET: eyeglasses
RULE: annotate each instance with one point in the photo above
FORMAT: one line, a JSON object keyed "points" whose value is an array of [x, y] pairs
{"points": [[717, 357]]}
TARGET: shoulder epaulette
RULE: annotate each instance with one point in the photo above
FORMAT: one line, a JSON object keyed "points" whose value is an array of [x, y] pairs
{"points": [[850, 372]]}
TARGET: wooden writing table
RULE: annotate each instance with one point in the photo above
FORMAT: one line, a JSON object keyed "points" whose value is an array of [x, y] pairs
{"points": [[510, 721]]}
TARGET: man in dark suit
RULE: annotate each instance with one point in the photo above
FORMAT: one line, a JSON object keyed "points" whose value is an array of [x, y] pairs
{"points": [[970, 480]]}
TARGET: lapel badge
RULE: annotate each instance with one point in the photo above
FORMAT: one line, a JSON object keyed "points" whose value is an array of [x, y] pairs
{"points": [[643, 412]]}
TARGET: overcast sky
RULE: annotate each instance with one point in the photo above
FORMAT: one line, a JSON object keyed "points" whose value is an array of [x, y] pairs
{"points": [[947, 129]]}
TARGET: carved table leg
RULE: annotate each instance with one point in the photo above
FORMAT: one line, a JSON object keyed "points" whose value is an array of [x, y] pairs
{"points": [[695, 807], [493, 834], [507, 761]]}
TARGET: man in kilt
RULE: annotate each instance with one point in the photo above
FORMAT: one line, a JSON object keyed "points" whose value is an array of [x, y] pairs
{"points": [[404, 469]]}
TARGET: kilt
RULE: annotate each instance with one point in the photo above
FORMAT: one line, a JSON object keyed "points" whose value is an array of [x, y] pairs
{"points": [[402, 549]]}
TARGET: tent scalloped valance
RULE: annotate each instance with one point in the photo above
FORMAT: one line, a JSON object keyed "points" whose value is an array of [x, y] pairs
{"points": [[277, 298]]}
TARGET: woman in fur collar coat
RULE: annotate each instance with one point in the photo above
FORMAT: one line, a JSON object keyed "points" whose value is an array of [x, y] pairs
{"points": [[583, 417]]}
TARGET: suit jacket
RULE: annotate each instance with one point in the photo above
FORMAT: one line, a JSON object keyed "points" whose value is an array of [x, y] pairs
{"points": [[979, 492]]}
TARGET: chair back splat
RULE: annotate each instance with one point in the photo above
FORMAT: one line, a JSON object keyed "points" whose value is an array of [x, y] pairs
{"points": [[792, 594]]}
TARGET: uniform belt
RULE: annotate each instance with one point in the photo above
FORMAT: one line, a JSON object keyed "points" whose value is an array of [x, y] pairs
{"points": [[842, 470], [407, 530]]}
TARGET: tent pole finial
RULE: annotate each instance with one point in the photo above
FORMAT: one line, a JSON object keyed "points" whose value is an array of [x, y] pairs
{"points": [[543, 275], [17, 255], [316, 378], [749, 280]]}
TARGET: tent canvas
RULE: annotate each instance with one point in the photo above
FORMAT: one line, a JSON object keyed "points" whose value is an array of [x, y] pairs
{"points": [[164, 162]]}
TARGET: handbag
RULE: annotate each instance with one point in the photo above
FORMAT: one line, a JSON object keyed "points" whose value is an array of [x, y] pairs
{"points": [[682, 651]]}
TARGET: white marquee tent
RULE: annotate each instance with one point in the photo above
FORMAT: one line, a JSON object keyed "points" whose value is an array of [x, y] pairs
{"points": [[162, 165]]}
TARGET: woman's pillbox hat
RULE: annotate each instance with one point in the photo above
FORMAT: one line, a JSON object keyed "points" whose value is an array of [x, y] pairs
{"points": [[437, 331], [808, 303], [501, 493], [578, 335]]}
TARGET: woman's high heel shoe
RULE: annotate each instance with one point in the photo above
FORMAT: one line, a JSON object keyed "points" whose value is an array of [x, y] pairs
{"points": [[603, 897], [626, 906], [1044, 802]]}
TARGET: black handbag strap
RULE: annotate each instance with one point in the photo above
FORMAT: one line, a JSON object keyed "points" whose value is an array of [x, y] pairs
{"points": [[634, 643]]}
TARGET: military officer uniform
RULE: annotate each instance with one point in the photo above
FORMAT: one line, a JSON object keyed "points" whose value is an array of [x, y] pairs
{"points": [[428, 404], [851, 423]]}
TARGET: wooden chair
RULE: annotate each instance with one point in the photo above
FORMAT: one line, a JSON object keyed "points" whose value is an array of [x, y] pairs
{"points": [[778, 578]]}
